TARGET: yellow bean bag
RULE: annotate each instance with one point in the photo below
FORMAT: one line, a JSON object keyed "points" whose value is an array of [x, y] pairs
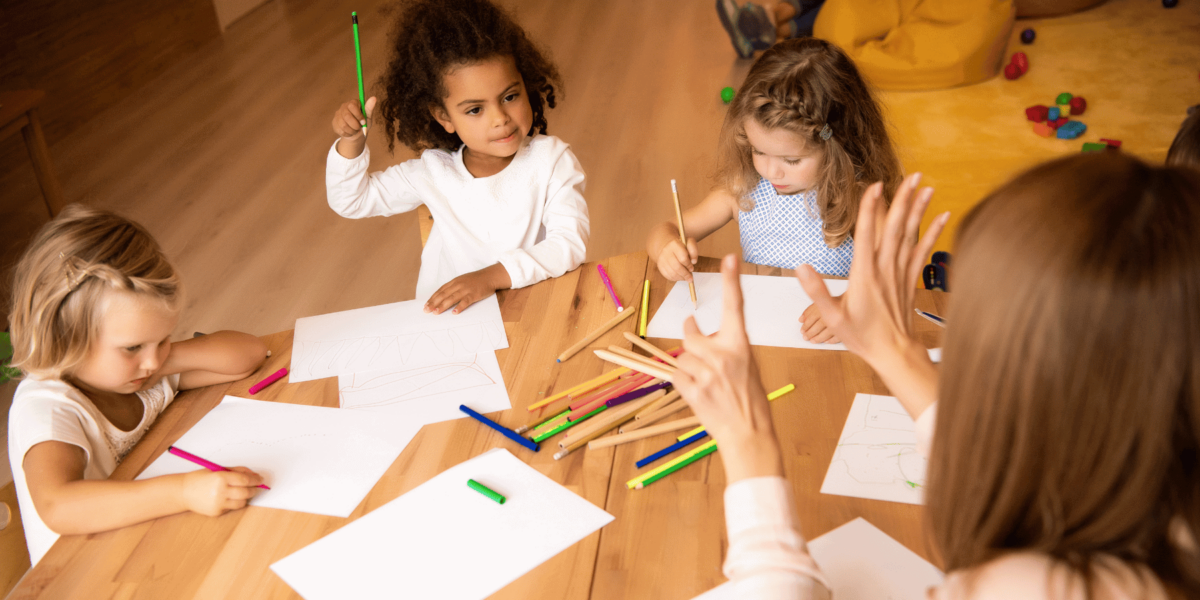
{"points": [[920, 44]]}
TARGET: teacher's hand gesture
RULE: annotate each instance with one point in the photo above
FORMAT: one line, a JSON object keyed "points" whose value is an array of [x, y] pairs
{"points": [[875, 319], [719, 379]]}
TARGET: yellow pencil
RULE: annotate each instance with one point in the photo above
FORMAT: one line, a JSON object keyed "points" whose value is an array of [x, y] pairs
{"points": [[772, 396], [682, 236], [645, 308]]}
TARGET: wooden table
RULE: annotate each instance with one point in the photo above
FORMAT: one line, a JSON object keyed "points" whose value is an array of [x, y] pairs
{"points": [[18, 111], [667, 542]]}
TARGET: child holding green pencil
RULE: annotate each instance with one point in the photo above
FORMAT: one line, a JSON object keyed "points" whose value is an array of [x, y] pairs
{"points": [[468, 90]]}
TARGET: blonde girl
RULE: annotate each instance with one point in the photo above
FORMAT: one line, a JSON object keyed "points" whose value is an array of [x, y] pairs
{"points": [[803, 138], [94, 303]]}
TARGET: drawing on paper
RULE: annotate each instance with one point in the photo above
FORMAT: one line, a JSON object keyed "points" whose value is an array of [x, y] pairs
{"points": [[369, 390], [877, 455], [324, 358]]}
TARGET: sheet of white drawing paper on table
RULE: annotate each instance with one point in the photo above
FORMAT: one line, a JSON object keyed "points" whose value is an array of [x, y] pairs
{"points": [[427, 390], [380, 337], [315, 459], [877, 455], [772, 306], [862, 562], [445, 540]]}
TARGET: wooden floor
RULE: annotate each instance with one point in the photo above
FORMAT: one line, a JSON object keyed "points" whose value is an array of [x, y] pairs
{"points": [[222, 157]]}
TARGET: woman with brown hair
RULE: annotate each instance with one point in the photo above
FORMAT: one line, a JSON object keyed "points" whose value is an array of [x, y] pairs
{"points": [[1067, 409]]}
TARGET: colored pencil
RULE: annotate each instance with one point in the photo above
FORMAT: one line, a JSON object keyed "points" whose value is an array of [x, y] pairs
{"points": [[665, 400], [362, 96], [539, 424], [590, 384], [272, 378], [635, 394], [770, 398], [689, 434], [682, 236], [565, 425], [608, 284], [672, 448], [603, 329], [674, 465], [486, 491], [664, 372], [656, 416], [645, 308], [574, 435], [700, 452], [630, 354], [508, 433], [641, 434], [652, 349], [609, 421], [932, 318], [616, 389], [207, 464]]}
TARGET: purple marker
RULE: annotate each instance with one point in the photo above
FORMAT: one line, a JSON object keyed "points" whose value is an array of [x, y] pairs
{"points": [[272, 378], [608, 284], [211, 466]]}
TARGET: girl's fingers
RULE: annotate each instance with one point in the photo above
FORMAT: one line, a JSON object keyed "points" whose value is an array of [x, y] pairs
{"points": [[693, 252], [814, 286]]}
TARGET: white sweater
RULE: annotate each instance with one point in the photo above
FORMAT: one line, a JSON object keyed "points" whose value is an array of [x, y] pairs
{"points": [[530, 217]]}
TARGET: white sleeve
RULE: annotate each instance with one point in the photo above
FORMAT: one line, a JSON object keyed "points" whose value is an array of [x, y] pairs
{"points": [[768, 558], [355, 194], [45, 418], [567, 229]]}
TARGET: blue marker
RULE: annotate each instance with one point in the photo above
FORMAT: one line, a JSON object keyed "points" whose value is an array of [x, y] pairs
{"points": [[670, 449], [510, 434], [936, 320]]}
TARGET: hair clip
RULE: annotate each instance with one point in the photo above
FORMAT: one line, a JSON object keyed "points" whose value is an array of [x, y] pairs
{"points": [[826, 132]]}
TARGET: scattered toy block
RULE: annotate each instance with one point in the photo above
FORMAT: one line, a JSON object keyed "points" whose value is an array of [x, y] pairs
{"points": [[1037, 113], [1043, 129], [1078, 105], [1053, 113], [1094, 147]]}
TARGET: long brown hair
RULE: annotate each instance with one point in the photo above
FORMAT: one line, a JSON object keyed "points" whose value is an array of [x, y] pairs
{"points": [[1185, 149], [802, 85], [1069, 413], [60, 283]]}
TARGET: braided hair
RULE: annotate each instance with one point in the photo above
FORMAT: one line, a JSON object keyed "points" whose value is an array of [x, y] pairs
{"points": [[60, 283]]}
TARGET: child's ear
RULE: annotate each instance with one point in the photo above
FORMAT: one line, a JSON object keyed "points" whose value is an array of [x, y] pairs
{"points": [[439, 114]]}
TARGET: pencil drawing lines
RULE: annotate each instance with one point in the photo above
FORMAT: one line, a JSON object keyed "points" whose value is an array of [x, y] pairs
{"points": [[370, 391], [877, 455]]}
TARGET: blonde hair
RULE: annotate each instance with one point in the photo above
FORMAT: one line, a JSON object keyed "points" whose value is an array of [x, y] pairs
{"points": [[61, 280], [1069, 420], [803, 86]]}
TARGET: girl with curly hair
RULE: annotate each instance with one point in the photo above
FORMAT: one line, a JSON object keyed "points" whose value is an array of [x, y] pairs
{"points": [[467, 89], [803, 138]]}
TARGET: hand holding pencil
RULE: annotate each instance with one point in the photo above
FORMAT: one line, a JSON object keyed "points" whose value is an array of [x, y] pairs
{"points": [[348, 122], [718, 378]]}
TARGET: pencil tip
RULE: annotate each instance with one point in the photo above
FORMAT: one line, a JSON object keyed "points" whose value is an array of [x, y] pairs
{"points": [[558, 360]]}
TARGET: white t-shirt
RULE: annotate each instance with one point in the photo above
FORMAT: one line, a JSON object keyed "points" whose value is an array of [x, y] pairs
{"points": [[46, 410], [530, 217]]}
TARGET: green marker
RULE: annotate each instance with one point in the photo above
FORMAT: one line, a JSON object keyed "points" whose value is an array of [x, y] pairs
{"points": [[362, 97], [567, 425], [701, 452], [486, 491]]}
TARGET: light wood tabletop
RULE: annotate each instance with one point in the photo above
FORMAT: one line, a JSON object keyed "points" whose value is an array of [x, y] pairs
{"points": [[667, 542]]}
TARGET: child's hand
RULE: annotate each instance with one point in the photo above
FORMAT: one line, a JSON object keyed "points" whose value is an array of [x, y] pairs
{"points": [[348, 123], [465, 290], [213, 493], [676, 262], [814, 329]]}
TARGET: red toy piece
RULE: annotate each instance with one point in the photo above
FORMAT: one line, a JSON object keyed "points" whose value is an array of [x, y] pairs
{"points": [[1111, 143], [1061, 121], [1078, 105], [1037, 114], [1022, 62], [1011, 71]]}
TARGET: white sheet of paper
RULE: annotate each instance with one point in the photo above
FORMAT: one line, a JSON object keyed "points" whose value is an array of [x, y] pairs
{"points": [[315, 459], [444, 540], [389, 335], [877, 455], [772, 306], [861, 562], [427, 390]]}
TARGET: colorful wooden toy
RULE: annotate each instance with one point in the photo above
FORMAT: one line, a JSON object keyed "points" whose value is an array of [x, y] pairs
{"points": [[1111, 143], [1063, 98], [1027, 36], [1037, 113], [1043, 129], [1078, 105], [1094, 147], [1022, 61], [1070, 130], [1053, 113], [1011, 71], [727, 95]]}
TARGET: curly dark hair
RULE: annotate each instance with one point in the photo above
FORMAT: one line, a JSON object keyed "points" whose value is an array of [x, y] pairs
{"points": [[433, 36]]}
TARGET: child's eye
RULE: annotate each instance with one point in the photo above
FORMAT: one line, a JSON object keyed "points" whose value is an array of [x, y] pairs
{"points": [[511, 97], [792, 161], [133, 349], [473, 111]]}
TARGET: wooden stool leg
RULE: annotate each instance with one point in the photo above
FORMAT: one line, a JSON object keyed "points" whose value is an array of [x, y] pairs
{"points": [[35, 142], [425, 221]]}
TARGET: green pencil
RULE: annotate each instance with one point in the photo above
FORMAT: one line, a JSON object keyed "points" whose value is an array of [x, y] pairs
{"points": [[362, 97], [568, 424], [671, 467]]}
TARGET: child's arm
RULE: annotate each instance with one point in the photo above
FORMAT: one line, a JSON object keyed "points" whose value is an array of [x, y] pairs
{"points": [[354, 193], [675, 261], [69, 504], [214, 358]]}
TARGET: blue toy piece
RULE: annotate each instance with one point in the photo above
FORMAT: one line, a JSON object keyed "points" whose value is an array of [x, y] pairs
{"points": [[1071, 130], [1028, 35], [1053, 114]]}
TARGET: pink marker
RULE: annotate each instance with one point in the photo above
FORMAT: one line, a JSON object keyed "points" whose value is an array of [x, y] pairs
{"points": [[211, 466], [608, 284], [272, 378]]}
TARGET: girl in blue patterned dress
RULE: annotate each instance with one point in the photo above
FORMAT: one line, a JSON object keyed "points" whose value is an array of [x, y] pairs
{"points": [[802, 140]]}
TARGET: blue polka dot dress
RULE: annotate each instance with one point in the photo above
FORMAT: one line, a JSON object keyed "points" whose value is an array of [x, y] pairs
{"points": [[786, 231]]}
